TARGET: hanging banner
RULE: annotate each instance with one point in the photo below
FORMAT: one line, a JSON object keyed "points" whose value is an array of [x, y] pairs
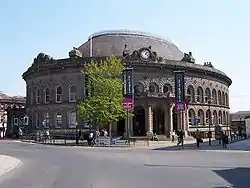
{"points": [[128, 89], [179, 90]]}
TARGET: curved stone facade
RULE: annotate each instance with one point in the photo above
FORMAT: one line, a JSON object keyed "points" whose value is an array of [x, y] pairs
{"points": [[55, 86]]}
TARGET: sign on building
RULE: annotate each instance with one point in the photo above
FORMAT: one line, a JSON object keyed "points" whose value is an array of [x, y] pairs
{"points": [[128, 89], [179, 90]]}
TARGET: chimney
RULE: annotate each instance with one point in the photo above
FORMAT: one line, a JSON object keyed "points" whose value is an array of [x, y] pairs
{"points": [[190, 53]]}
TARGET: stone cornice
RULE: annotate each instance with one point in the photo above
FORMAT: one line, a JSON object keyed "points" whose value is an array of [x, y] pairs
{"points": [[78, 62]]}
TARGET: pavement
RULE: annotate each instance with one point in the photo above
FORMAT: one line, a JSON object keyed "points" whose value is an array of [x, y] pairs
{"points": [[8, 163], [47, 166]]}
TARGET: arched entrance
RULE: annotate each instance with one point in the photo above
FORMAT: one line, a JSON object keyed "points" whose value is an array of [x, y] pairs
{"points": [[158, 121], [175, 122], [120, 127], [139, 121]]}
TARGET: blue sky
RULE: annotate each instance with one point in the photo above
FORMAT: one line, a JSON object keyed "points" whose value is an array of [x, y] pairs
{"points": [[216, 31]]}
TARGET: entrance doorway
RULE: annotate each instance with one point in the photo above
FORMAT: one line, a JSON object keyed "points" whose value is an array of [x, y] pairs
{"points": [[175, 122], [158, 121], [139, 122], [121, 127]]}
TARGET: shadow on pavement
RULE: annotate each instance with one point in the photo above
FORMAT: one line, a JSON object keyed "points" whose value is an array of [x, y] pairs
{"points": [[203, 146], [237, 177]]}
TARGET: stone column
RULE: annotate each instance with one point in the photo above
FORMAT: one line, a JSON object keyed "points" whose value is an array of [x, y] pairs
{"points": [[149, 118], [171, 118], [166, 121], [128, 126]]}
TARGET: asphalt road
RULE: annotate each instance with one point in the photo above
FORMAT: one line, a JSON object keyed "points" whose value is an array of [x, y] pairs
{"points": [[73, 167]]}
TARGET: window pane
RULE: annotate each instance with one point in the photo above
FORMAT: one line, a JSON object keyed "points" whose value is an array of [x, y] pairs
{"points": [[59, 90], [73, 89]]}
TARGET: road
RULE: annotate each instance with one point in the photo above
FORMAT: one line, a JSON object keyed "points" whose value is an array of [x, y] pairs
{"points": [[73, 167]]}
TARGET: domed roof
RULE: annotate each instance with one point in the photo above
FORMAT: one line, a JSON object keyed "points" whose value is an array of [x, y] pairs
{"points": [[107, 43]]}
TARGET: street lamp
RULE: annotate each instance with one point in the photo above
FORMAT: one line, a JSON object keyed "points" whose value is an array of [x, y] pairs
{"points": [[209, 121], [77, 136]]}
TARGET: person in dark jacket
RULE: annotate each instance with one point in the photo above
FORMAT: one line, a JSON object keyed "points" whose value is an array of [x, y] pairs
{"points": [[224, 138]]}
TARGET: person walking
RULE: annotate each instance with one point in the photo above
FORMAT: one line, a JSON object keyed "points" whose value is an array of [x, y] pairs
{"points": [[173, 135], [224, 140], [198, 138], [180, 138]]}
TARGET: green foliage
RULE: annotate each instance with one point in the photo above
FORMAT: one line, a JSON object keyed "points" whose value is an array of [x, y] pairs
{"points": [[104, 103]]}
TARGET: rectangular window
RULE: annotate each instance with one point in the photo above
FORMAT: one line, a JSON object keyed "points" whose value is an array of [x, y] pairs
{"points": [[72, 119], [58, 120], [72, 97], [59, 94], [46, 95], [46, 120], [190, 122], [38, 96]]}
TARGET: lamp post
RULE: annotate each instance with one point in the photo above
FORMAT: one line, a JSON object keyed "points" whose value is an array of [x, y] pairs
{"points": [[209, 121], [77, 136]]}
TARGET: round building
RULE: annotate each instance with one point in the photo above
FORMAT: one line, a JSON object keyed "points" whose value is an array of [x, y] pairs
{"points": [[54, 86]]}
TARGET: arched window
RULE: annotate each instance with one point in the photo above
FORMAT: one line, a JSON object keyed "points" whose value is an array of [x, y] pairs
{"points": [[191, 117], [138, 88], [153, 88], [214, 96], [223, 98], [58, 120], [226, 99], [207, 95], [201, 117], [59, 94], [208, 117], [219, 98], [72, 94], [38, 96], [220, 117], [224, 118], [199, 95], [191, 93], [215, 118], [72, 119], [167, 88], [46, 95]]}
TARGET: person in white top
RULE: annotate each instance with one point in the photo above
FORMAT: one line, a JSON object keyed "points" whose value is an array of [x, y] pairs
{"points": [[173, 135]]}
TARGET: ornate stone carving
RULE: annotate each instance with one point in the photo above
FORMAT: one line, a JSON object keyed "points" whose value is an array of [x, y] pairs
{"points": [[75, 53], [42, 58], [145, 54]]}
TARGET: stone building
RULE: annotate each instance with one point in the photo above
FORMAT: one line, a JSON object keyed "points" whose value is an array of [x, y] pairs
{"points": [[55, 85], [8, 102]]}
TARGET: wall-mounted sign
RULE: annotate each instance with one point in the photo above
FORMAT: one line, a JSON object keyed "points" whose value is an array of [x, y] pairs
{"points": [[128, 86], [128, 89], [179, 90]]}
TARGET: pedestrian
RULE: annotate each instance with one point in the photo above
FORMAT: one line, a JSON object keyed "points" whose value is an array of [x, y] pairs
{"points": [[180, 138], [173, 135], [91, 136], [224, 138], [198, 138]]}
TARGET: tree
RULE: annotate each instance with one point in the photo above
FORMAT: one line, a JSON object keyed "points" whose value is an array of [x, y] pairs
{"points": [[103, 105]]}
